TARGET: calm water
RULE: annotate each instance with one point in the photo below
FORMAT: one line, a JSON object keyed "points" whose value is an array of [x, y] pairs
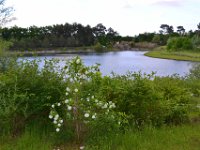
{"points": [[121, 62]]}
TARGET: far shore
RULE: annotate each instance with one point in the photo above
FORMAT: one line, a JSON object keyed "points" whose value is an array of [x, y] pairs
{"points": [[48, 52]]}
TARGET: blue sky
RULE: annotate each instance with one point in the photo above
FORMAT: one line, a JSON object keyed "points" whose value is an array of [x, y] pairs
{"points": [[128, 17]]}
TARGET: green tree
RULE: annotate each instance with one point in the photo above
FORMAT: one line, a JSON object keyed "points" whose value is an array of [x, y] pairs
{"points": [[167, 29], [181, 30]]}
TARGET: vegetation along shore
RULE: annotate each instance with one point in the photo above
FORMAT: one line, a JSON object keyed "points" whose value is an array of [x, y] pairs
{"points": [[73, 106]]}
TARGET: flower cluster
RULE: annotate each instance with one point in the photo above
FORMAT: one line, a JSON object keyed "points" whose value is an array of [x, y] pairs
{"points": [[57, 120], [78, 106]]}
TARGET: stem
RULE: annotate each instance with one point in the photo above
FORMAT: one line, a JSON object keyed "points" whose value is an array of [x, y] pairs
{"points": [[75, 110]]}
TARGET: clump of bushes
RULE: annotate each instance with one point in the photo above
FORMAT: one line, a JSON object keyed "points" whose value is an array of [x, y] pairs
{"points": [[179, 43], [29, 93]]}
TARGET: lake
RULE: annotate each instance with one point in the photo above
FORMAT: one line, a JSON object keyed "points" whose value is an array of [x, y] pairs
{"points": [[123, 61]]}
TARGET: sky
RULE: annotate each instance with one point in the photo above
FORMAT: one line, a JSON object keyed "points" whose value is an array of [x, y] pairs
{"points": [[127, 17]]}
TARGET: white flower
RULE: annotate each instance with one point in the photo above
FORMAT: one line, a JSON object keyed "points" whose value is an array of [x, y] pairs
{"points": [[88, 99], [59, 125], [56, 117], [55, 122], [96, 101], [50, 116], [66, 93], [53, 106], [93, 97], [61, 121], [76, 90], [71, 80], [86, 72], [93, 116], [78, 61], [82, 147], [69, 107], [100, 104], [105, 106], [58, 104], [68, 89], [86, 115], [113, 105], [57, 129], [66, 101]]}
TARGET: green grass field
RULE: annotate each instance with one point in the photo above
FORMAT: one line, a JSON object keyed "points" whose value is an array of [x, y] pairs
{"points": [[186, 137], [161, 52]]}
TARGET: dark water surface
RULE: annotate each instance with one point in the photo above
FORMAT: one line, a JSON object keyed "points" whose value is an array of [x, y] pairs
{"points": [[124, 61]]}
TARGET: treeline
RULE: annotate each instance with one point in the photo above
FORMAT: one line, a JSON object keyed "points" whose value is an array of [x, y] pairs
{"points": [[60, 35], [174, 40], [77, 35]]}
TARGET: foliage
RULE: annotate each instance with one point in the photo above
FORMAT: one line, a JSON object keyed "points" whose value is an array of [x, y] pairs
{"points": [[4, 58], [83, 108], [196, 41], [60, 35], [179, 43], [193, 80], [26, 90], [82, 104]]}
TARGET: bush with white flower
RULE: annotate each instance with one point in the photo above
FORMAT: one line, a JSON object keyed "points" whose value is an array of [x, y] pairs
{"points": [[81, 108]]}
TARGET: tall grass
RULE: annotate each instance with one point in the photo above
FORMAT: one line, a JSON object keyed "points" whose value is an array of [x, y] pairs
{"points": [[31, 139], [185, 137]]}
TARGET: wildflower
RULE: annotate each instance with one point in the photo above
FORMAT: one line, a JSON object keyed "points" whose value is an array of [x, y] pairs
{"points": [[68, 89], [76, 90], [50, 116], [66, 101], [105, 106], [61, 121], [93, 97], [69, 107], [82, 147], [66, 93], [99, 103], [59, 125], [53, 106], [55, 122], [78, 61], [93, 116], [71, 80], [112, 106], [86, 115], [88, 99], [57, 129], [58, 104], [96, 101], [56, 117]]}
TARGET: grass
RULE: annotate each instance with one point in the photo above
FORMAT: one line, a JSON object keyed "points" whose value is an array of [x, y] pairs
{"points": [[186, 137], [37, 138], [161, 52]]}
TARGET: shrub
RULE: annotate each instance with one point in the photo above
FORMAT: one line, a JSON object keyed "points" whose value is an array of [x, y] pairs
{"points": [[196, 41], [26, 90], [178, 43]]}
